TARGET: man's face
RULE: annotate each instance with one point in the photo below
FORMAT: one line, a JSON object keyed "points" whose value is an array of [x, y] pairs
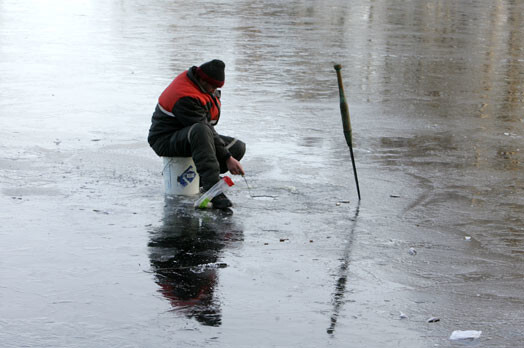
{"points": [[209, 88]]}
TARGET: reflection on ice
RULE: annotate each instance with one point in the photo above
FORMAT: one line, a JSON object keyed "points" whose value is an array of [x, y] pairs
{"points": [[340, 290], [185, 257]]}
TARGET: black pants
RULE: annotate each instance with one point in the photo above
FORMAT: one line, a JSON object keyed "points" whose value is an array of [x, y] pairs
{"points": [[198, 142]]}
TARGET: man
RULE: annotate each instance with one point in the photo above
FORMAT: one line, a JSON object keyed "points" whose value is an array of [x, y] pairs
{"points": [[183, 125]]}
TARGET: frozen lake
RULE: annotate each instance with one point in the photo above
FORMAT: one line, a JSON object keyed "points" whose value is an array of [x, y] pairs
{"points": [[94, 255]]}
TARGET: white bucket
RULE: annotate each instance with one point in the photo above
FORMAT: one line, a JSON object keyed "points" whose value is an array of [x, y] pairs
{"points": [[180, 176]]}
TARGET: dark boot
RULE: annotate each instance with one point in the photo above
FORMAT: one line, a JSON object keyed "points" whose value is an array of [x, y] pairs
{"points": [[221, 202]]}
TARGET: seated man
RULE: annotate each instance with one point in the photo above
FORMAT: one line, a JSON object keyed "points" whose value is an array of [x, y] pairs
{"points": [[183, 125]]}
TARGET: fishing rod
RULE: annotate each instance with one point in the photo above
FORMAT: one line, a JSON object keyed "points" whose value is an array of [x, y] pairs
{"points": [[346, 124]]}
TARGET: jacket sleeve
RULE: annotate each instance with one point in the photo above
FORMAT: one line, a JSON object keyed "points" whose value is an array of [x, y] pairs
{"points": [[189, 111]]}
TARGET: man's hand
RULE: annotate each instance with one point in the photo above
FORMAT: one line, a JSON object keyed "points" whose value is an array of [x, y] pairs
{"points": [[234, 166]]}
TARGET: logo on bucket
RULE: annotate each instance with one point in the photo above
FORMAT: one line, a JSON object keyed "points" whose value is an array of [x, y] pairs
{"points": [[187, 176]]}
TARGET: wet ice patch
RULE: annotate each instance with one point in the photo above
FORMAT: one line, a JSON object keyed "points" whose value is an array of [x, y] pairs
{"points": [[32, 191]]}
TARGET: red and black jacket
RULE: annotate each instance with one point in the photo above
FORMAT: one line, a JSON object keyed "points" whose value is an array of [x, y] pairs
{"points": [[183, 103], [184, 87]]}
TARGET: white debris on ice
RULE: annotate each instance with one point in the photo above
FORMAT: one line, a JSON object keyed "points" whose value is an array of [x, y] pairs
{"points": [[464, 335]]}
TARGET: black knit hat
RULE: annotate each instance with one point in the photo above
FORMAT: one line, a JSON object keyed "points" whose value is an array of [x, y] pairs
{"points": [[212, 72]]}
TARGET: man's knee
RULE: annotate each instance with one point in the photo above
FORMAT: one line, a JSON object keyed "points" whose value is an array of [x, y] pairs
{"points": [[199, 132], [238, 150]]}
